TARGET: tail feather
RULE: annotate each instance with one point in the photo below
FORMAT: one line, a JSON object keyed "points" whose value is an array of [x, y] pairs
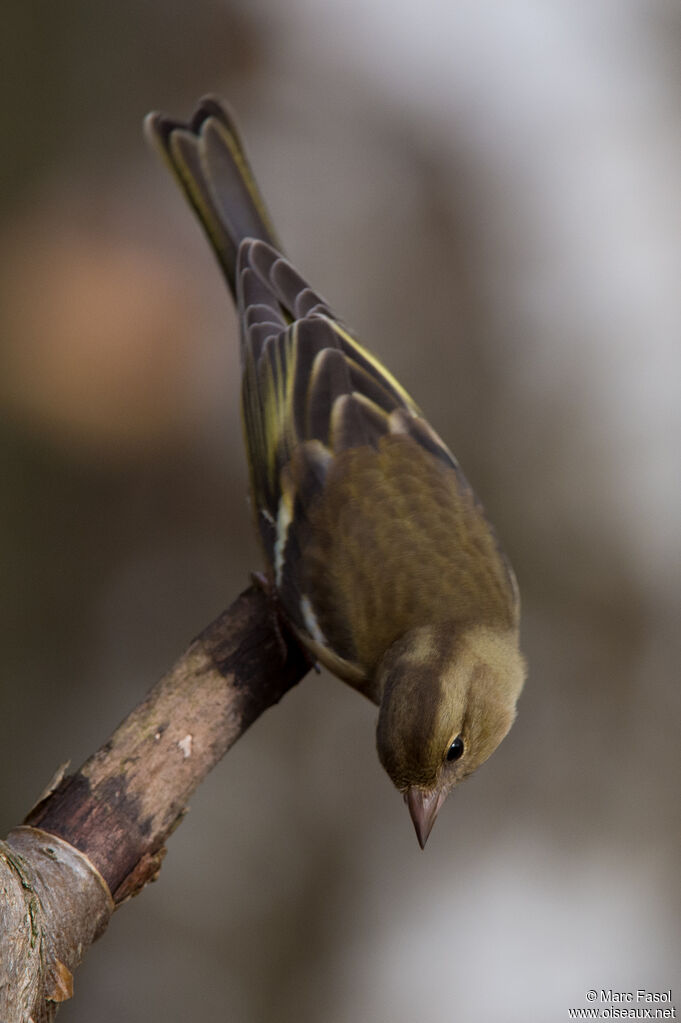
{"points": [[210, 164]]}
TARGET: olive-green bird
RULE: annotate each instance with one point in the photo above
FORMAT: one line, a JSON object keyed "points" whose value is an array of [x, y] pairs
{"points": [[381, 557]]}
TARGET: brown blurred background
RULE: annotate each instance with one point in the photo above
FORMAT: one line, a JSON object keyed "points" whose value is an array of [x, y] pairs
{"points": [[489, 192]]}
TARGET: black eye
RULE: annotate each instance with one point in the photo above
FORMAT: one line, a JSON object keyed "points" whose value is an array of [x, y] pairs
{"points": [[455, 751]]}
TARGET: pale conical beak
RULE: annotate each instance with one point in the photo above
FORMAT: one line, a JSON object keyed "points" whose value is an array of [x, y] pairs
{"points": [[423, 808]]}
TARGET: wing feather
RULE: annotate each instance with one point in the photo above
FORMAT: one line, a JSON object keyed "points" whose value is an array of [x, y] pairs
{"points": [[356, 421], [306, 378]]}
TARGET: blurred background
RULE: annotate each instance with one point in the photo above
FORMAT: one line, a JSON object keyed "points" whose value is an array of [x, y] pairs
{"points": [[489, 192]]}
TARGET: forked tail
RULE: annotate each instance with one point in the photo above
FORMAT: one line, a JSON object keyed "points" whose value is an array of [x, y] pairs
{"points": [[208, 159]]}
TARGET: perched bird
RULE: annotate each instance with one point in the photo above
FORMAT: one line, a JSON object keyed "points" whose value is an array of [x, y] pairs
{"points": [[378, 551]]}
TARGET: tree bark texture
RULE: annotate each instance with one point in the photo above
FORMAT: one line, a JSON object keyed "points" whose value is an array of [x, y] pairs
{"points": [[99, 836]]}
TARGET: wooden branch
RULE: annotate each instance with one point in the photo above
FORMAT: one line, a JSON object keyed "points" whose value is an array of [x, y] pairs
{"points": [[99, 837]]}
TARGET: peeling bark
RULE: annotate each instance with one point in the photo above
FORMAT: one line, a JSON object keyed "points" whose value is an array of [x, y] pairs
{"points": [[98, 837]]}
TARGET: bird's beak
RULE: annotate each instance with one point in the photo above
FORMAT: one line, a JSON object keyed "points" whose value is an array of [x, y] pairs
{"points": [[423, 808]]}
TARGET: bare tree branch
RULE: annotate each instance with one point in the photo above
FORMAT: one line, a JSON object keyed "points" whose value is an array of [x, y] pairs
{"points": [[99, 837]]}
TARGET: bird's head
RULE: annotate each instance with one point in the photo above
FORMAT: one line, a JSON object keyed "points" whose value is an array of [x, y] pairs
{"points": [[448, 698]]}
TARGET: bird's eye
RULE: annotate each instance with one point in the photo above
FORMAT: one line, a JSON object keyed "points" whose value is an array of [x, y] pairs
{"points": [[455, 751]]}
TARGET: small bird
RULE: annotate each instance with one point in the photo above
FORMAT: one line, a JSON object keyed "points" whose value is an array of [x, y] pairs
{"points": [[378, 552]]}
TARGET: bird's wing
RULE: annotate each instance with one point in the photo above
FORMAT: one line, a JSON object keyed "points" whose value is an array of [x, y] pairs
{"points": [[322, 413], [307, 382]]}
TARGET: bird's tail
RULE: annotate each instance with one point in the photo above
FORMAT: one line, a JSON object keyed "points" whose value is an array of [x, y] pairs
{"points": [[208, 159]]}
